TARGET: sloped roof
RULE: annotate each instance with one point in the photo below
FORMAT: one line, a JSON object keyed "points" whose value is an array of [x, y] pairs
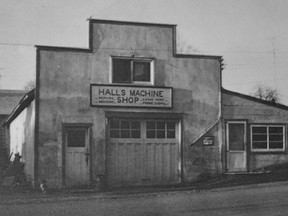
{"points": [[9, 99], [248, 97], [23, 103]]}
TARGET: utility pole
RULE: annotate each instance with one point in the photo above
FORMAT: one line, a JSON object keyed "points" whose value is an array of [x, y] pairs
{"points": [[0, 77], [273, 39]]}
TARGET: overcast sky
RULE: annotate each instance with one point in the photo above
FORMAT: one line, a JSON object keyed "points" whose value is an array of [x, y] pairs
{"points": [[251, 35]]}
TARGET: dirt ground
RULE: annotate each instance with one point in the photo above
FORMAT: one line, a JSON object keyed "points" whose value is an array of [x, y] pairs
{"points": [[269, 174]]}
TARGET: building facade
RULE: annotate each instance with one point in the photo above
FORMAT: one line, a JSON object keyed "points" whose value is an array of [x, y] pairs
{"points": [[131, 111]]}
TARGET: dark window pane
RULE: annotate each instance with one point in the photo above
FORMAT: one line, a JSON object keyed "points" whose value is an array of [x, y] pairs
{"points": [[125, 134], [125, 124], [160, 134], [276, 145], [171, 125], [135, 134], [259, 130], [135, 125], [161, 125], [150, 125], [236, 137], [171, 134], [150, 134], [114, 124], [114, 133], [76, 137], [141, 71], [259, 137], [276, 138], [259, 145], [278, 130], [121, 71]]}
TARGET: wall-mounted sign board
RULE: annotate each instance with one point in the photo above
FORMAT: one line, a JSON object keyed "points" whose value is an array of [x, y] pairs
{"points": [[208, 140], [131, 96]]}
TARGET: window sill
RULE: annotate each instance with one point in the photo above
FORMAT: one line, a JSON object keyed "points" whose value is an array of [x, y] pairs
{"points": [[269, 152], [133, 84]]}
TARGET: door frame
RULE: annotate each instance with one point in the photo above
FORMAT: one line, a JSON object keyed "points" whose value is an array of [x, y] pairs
{"points": [[246, 148], [88, 127]]}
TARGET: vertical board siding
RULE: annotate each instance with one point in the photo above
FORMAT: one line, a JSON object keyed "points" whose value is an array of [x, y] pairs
{"points": [[134, 163]]}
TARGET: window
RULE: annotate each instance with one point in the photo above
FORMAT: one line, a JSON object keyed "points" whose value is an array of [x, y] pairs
{"points": [[125, 129], [268, 137], [125, 70], [76, 137], [160, 130]]}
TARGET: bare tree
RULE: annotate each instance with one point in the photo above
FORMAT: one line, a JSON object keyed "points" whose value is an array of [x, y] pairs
{"points": [[183, 47], [266, 93]]}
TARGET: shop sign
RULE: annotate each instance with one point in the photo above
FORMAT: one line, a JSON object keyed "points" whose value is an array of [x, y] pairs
{"points": [[131, 96]]}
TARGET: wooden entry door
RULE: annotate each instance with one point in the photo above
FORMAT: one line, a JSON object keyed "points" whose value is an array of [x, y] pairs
{"points": [[143, 152], [236, 157], [77, 156]]}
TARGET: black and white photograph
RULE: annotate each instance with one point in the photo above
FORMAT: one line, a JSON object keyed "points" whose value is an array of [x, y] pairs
{"points": [[143, 108]]}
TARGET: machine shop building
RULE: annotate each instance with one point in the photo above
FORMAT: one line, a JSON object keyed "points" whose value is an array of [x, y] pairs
{"points": [[130, 111]]}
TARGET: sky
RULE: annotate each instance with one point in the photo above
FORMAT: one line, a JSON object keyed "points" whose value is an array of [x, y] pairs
{"points": [[251, 35]]}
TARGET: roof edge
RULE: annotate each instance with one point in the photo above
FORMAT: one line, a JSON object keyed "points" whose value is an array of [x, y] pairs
{"points": [[177, 55], [258, 100], [68, 49], [90, 45], [23, 103], [117, 22]]}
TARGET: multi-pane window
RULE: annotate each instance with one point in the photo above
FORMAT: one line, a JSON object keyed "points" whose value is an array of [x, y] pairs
{"points": [[125, 129], [136, 129], [268, 137], [126, 70], [160, 129]]}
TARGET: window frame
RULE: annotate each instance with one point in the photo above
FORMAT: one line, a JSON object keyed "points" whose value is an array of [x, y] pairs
{"points": [[267, 126], [143, 129], [166, 129], [133, 59], [120, 129]]}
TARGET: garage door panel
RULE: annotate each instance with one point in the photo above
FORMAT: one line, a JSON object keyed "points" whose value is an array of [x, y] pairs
{"points": [[150, 155], [124, 162], [138, 172], [166, 161], [174, 160], [142, 161], [130, 162], [133, 162]]}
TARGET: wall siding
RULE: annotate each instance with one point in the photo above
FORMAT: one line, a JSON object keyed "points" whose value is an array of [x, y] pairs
{"points": [[22, 138]]}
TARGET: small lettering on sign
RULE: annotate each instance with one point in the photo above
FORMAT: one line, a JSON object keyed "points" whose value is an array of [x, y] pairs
{"points": [[208, 140]]}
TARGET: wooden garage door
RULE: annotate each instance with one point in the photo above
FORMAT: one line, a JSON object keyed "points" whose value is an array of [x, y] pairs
{"points": [[143, 152]]}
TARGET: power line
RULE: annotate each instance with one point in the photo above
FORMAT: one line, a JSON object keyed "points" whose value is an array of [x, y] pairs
{"points": [[15, 44], [109, 6]]}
